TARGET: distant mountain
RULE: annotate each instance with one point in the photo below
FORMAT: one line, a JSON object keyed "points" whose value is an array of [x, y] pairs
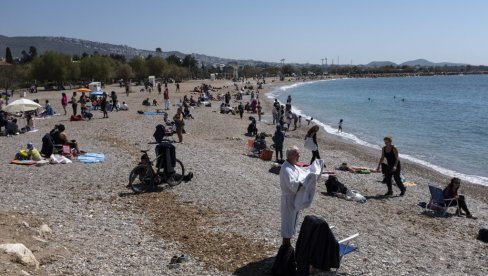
{"points": [[426, 63], [380, 64], [74, 46]]}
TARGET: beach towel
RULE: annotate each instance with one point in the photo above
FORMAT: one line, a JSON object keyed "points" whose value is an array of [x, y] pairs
{"points": [[409, 184], [91, 158], [151, 113], [23, 162], [59, 159]]}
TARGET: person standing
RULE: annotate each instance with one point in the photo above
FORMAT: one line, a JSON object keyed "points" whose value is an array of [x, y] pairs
{"points": [[240, 107], [74, 104], [290, 184], [103, 105], [166, 98], [312, 133], [113, 95], [259, 109], [390, 152], [451, 191], [127, 89], [180, 123], [159, 88], [278, 140], [177, 87], [339, 129], [64, 102]]}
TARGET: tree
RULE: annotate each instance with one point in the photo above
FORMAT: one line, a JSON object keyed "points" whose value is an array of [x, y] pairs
{"points": [[155, 66], [159, 51], [125, 72], [189, 61], [51, 67], [173, 59], [138, 65], [97, 68], [33, 52], [8, 56]]}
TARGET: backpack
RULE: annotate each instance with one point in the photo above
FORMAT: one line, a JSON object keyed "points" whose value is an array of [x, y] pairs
{"points": [[285, 263], [483, 235], [334, 186]]}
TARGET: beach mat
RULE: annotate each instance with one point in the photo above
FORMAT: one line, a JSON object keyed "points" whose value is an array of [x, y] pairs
{"points": [[91, 158], [23, 162], [151, 113]]}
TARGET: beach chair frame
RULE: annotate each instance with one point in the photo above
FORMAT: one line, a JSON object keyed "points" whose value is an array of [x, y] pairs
{"points": [[346, 247], [437, 203]]}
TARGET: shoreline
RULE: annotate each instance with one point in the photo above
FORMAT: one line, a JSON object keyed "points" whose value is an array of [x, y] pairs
{"points": [[352, 139]]}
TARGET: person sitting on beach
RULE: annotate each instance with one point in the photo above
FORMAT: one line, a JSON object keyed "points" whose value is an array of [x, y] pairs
{"points": [[30, 122], [60, 137], [155, 103], [12, 128], [48, 110], [451, 191], [252, 130], [186, 113], [124, 106], [146, 102]]}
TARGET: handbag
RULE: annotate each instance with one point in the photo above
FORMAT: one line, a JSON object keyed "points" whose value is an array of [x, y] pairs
{"points": [[309, 144]]}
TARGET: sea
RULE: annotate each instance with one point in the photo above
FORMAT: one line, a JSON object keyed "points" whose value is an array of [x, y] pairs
{"points": [[440, 122]]}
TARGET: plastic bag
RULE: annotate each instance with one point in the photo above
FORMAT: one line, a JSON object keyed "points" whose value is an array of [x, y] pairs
{"points": [[309, 144]]}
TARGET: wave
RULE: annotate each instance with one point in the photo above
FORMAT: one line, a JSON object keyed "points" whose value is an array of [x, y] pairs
{"points": [[480, 180]]}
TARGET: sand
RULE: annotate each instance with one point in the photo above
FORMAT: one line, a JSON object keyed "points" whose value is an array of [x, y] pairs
{"points": [[226, 219]]}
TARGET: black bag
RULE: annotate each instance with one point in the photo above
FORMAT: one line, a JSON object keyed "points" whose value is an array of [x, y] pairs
{"points": [[285, 263], [275, 169], [334, 186], [188, 177], [483, 235], [47, 145]]}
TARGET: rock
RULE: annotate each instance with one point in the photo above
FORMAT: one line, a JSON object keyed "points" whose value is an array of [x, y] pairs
{"points": [[45, 231], [23, 254]]}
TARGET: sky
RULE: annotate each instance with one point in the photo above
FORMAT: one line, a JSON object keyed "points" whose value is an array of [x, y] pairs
{"points": [[306, 31]]}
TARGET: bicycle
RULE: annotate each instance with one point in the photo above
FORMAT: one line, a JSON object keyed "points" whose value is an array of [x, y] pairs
{"points": [[143, 177]]}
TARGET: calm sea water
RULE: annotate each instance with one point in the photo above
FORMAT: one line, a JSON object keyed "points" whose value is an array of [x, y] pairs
{"points": [[440, 122]]}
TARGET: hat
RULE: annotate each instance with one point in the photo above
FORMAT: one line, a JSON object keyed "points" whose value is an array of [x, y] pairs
{"points": [[30, 146]]}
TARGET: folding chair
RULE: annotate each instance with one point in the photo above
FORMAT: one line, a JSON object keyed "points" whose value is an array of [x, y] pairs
{"points": [[345, 247], [438, 203]]}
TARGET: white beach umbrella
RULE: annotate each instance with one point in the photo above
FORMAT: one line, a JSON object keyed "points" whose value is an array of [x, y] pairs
{"points": [[21, 105]]}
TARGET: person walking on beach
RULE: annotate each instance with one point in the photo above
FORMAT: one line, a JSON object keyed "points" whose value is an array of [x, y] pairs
{"points": [[340, 126], [127, 89], [159, 88], [64, 102], [312, 133], [166, 99], [278, 139], [74, 103], [451, 191], [259, 109], [390, 152]]}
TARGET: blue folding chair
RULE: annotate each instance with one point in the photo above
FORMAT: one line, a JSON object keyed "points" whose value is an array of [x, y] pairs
{"points": [[438, 203], [346, 247]]}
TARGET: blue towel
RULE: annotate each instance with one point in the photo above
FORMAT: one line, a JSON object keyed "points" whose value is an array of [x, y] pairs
{"points": [[91, 158], [153, 113]]}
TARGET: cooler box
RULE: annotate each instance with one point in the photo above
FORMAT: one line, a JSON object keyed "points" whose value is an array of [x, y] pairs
{"points": [[266, 154]]}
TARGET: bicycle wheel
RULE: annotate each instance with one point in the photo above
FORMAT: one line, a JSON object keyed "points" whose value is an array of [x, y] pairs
{"points": [[175, 178], [141, 179]]}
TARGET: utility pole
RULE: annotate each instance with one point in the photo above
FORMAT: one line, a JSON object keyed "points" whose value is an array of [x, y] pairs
{"points": [[322, 62], [282, 62]]}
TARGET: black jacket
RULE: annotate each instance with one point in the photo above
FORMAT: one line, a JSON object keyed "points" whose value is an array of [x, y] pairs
{"points": [[316, 246]]}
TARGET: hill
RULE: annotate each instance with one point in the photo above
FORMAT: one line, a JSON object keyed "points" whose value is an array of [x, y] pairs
{"points": [[74, 46]]}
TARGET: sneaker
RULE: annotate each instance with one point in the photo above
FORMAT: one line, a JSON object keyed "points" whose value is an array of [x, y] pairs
{"points": [[471, 216], [402, 193], [183, 258], [389, 193], [174, 259]]}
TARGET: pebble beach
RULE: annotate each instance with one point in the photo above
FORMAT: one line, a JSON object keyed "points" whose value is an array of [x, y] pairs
{"points": [[226, 220]]}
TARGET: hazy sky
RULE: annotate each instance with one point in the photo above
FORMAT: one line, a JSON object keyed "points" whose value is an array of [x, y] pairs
{"points": [[269, 30]]}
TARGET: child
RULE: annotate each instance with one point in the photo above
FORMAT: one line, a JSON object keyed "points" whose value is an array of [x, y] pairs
{"points": [[340, 126]]}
